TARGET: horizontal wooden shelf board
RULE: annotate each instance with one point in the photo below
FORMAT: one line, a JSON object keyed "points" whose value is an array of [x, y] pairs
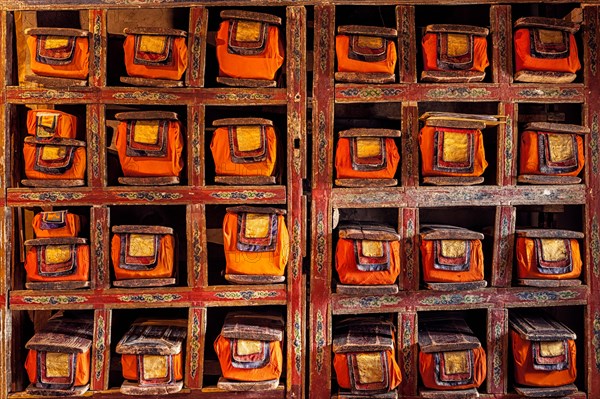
{"points": [[186, 393], [578, 395], [144, 196], [427, 196], [471, 92], [151, 297], [115, 4], [484, 298], [143, 95]]}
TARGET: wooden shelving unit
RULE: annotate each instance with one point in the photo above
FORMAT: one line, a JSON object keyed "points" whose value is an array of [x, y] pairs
{"points": [[499, 203], [202, 296]]}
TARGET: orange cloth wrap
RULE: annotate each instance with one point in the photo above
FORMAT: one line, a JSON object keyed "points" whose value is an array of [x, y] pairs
{"points": [[224, 166], [174, 71], [426, 145], [82, 368], [76, 69], [346, 64], [432, 275], [343, 162], [427, 370], [268, 263], [527, 266], [529, 163], [271, 371], [81, 273], [66, 124], [71, 228], [260, 66], [164, 265], [429, 45], [345, 264], [170, 165], [342, 373], [130, 367], [525, 374], [524, 60], [77, 170]]}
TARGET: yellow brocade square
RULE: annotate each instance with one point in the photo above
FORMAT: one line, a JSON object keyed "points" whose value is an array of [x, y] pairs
{"points": [[57, 364], [550, 36], [552, 348], [146, 132], [370, 42], [453, 248], [153, 44], [368, 147], [53, 152], [53, 216], [141, 245], [155, 367], [248, 347], [370, 369], [553, 249], [455, 147], [458, 44], [249, 138], [561, 147], [456, 362], [248, 31], [372, 249], [54, 42], [257, 225], [57, 254]]}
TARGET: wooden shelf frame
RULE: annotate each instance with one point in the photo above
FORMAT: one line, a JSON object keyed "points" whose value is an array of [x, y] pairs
{"points": [[197, 296], [503, 196]]}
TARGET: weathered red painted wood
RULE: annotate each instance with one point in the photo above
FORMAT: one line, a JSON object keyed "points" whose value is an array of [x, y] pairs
{"points": [[173, 297], [198, 27], [410, 145], [502, 260], [101, 350], [501, 35], [196, 236], [194, 366], [408, 338], [98, 43], [96, 145], [205, 393], [196, 157], [497, 351], [141, 195], [507, 153], [409, 230], [436, 300], [407, 52], [296, 154], [99, 242], [429, 196]]}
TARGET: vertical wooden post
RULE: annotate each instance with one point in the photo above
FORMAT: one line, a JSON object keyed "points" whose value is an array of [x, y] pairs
{"points": [[194, 365], [506, 171], [195, 144], [409, 230], [503, 246], [101, 350], [198, 28], [501, 35], [407, 51], [99, 243], [96, 145], [320, 314], [197, 249], [98, 43], [296, 171], [591, 61], [408, 339], [410, 144], [497, 351]]}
